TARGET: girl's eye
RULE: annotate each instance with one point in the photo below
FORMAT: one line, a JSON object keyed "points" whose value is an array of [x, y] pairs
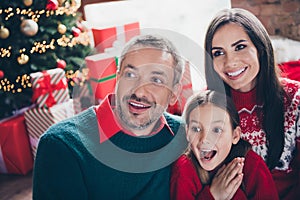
{"points": [[217, 130], [217, 53], [196, 129], [240, 47]]}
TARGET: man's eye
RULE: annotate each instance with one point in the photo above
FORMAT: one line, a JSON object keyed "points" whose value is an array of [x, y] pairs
{"points": [[240, 47], [217, 53], [157, 80], [129, 75]]}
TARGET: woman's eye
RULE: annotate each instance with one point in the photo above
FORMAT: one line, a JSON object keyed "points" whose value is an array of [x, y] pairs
{"points": [[217, 53], [240, 47]]}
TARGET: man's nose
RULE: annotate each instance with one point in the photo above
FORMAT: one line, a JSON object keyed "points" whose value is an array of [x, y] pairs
{"points": [[142, 89]]}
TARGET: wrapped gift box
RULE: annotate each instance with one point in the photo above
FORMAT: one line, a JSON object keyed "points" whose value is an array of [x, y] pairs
{"points": [[49, 87], [105, 37], [102, 73], [186, 92], [15, 153], [38, 120], [82, 97]]}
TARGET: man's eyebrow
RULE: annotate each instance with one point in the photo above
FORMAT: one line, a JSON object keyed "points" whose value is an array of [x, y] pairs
{"points": [[129, 66], [158, 72]]}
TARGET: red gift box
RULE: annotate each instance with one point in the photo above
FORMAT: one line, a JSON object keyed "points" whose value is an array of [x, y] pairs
{"points": [[102, 74], [105, 37], [49, 87], [186, 92], [15, 152]]}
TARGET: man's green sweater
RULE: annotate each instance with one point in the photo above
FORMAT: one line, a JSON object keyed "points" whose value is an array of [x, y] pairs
{"points": [[71, 163]]}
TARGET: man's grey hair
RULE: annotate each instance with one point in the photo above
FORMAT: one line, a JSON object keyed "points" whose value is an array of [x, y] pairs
{"points": [[156, 42]]}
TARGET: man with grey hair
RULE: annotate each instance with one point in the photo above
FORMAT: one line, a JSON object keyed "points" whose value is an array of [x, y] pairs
{"points": [[122, 148]]}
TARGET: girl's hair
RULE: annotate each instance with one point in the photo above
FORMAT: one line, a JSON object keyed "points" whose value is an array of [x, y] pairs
{"points": [[269, 91], [224, 102]]}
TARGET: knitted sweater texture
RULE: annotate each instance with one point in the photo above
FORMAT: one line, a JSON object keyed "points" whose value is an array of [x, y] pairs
{"points": [[186, 185], [71, 163], [287, 174]]}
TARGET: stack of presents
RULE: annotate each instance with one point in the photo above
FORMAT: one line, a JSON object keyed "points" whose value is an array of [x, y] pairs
{"points": [[19, 134]]}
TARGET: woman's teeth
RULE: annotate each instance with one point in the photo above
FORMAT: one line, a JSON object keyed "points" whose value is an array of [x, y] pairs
{"points": [[236, 73]]}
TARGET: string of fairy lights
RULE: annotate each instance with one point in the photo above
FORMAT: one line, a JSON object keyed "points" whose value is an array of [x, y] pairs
{"points": [[40, 47]]}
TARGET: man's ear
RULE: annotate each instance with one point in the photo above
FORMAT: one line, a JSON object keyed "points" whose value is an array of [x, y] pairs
{"points": [[118, 74], [175, 93], [236, 135]]}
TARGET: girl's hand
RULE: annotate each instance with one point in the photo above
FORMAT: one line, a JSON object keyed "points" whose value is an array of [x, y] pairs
{"points": [[227, 180]]}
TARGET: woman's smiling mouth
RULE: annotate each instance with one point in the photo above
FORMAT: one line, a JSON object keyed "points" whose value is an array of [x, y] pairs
{"points": [[236, 73]]}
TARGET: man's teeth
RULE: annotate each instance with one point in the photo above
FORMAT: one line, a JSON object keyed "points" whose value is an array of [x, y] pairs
{"points": [[236, 72], [137, 105]]}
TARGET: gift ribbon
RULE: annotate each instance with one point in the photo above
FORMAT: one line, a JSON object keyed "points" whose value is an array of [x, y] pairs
{"points": [[101, 80], [47, 88], [121, 34], [187, 86]]}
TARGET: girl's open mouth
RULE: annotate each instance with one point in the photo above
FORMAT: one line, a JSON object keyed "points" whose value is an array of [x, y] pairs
{"points": [[207, 154]]}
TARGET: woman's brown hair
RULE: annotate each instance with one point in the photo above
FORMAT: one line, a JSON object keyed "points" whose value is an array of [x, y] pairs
{"points": [[269, 91]]}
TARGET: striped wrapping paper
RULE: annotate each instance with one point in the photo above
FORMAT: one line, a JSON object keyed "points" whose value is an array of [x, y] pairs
{"points": [[38, 120], [186, 92], [49, 87], [83, 97]]}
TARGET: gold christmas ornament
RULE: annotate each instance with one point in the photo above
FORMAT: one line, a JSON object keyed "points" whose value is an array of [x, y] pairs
{"points": [[27, 2], [4, 32], [76, 3], [29, 27], [61, 29], [23, 59]]}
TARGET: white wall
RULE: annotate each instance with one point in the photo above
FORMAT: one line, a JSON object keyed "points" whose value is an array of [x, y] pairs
{"points": [[183, 21]]}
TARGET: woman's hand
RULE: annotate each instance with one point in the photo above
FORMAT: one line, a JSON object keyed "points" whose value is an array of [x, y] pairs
{"points": [[227, 180]]}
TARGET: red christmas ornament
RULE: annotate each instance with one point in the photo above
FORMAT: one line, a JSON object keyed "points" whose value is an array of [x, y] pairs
{"points": [[52, 5], [1, 74], [61, 64], [80, 26], [76, 31]]}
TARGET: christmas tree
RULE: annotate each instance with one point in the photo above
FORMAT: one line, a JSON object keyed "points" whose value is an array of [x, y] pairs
{"points": [[37, 35]]}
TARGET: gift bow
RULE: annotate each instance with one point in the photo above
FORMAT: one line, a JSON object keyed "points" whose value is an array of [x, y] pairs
{"points": [[47, 88]]}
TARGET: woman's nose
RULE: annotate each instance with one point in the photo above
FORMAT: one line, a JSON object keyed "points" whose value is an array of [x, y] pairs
{"points": [[230, 60]]}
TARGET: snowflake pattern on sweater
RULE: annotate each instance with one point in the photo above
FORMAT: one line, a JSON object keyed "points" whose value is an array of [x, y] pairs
{"points": [[251, 121]]}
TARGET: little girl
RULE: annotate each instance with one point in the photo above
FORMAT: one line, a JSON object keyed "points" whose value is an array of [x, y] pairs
{"points": [[217, 163]]}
